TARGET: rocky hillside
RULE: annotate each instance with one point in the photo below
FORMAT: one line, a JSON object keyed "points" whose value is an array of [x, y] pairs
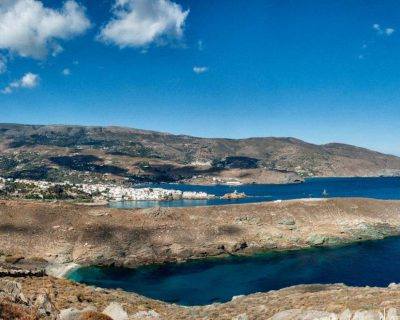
{"points": [[80, 153], [64, 233], [38, 239]]}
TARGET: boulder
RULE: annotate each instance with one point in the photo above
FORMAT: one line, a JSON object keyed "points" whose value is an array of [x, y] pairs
{"points": [[286, 314], [368, 315], [298, 314], [391, 314], [317, 315], [345, 315], [148, 315], [12, 290], [316, 239], [116, 312], [85, 314], [288, 221], [70, 314], [394, 286], [44, 306]]}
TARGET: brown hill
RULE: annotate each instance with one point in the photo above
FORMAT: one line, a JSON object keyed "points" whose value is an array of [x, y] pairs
{"points": [[80, 153]]}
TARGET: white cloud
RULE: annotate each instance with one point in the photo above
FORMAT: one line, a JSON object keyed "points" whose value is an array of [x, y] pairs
{"points": [[28, 81], [376, 26], [138, 23], [66, 72], [30, 29], [200, 70], [385, 31], [389, 31]]}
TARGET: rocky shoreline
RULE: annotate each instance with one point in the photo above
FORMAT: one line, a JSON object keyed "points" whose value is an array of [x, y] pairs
{"points": [[61, 232], [32, 298], [36, 236]]}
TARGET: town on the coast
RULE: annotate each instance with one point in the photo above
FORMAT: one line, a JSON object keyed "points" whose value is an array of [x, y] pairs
{"points": [[98, 192]]}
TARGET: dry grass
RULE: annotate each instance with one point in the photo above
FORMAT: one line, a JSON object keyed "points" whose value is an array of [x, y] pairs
{"points": [[11, 311], [92, 315]]}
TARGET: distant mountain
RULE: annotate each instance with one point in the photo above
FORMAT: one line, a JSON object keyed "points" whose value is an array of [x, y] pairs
{"points": [[78, 153]]}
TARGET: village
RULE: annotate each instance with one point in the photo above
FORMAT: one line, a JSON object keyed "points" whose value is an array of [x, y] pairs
{"points": [[39, 189]]}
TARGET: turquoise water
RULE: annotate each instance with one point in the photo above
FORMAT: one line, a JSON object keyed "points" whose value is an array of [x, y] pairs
{"points": [[378, 188], [372, 263]]}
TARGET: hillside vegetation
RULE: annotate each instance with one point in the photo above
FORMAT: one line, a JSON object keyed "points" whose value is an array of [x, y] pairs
{"points": [[79, 153]]}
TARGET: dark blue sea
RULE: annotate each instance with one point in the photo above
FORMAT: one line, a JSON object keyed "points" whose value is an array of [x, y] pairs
{"points": [[372, 263], [378, 188]]}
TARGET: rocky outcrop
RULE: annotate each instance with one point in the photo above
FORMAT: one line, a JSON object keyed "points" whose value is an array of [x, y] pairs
{"points": [[17, 272], [298, 314], [63, 234], [234, 195], [35, 234], [70, 301], [15, 306], [115, 311]]}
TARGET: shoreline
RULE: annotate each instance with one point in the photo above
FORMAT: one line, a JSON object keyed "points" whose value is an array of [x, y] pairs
{"points": [[273, 183], [67, 236], [86, 235]]}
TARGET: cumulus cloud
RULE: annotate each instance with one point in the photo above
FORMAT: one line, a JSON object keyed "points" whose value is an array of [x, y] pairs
{"points": [[389, 31], [66, 72], [382, 31], [29, 29], [28, 81], [200, 70], [139, 23]]}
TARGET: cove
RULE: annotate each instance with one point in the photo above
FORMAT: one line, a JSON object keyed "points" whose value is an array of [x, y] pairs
{"points": [[387, 188], [370, 263]]}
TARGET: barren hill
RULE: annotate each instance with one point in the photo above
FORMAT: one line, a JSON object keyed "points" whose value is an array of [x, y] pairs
{"points": [[80, 153]]}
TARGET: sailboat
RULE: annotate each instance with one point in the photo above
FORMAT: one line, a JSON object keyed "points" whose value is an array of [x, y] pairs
{"points": [[325, 193]]}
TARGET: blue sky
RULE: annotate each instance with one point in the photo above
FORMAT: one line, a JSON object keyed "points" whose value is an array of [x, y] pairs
{"points": [[321, 71]]}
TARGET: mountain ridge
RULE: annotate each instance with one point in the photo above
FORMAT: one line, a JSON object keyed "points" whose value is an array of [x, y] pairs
{"points": [[97, 152]]}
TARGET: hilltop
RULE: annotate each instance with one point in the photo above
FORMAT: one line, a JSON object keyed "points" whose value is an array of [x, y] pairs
{"points": [[82, 153]]}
